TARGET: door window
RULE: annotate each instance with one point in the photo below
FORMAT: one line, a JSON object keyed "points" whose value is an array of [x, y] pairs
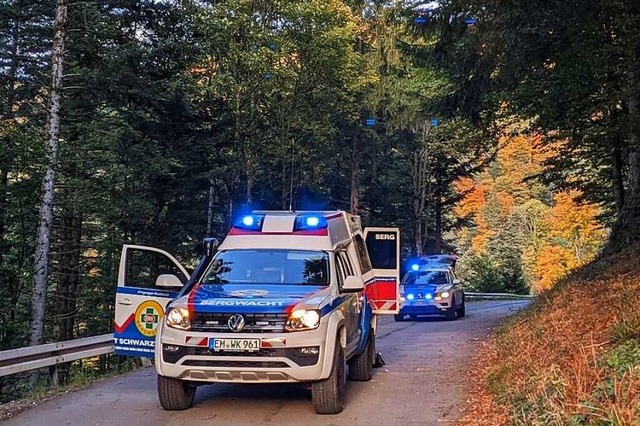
{"points": [[144, 267]]}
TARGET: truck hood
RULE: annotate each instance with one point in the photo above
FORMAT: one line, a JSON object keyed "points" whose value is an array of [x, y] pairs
{"points": [[255, 298]]}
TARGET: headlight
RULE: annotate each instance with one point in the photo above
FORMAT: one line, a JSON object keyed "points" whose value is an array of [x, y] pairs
{"points": [[178, 318], [303, 319], [442, 295]]}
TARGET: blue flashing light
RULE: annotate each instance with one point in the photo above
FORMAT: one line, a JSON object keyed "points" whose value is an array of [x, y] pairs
{"points": [[415, 267], [410, 296], [249, 222], [420, 20], [434, 122], [310, 223], [370, 122], [428, 296], [471, 21], [313, 221]]}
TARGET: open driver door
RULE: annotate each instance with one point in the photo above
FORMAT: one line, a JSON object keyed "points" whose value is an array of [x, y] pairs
{"points": [[148, 279]]}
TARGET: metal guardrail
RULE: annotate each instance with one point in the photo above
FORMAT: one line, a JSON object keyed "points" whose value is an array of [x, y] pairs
{"points": [[33, 357], [507, 296]]}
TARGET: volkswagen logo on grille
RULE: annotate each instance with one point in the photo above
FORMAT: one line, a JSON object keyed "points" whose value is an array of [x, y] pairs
{"points": [[236, 322]]}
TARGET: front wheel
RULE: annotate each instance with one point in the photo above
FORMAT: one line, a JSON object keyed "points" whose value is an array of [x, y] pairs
{"points": [[398, 317], [175, 394], [328, 395], [462, 310], [361, 366], [451, 313]]}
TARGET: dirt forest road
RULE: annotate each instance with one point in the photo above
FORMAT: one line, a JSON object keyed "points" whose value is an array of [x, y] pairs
{"points": [[423, 383]]}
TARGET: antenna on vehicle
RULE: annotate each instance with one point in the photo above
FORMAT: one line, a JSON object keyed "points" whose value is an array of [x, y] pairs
{"points": [[293, 149]]}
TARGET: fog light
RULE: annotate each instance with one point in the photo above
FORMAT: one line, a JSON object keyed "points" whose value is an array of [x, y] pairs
{"points": [[311, 350], [171, 348]]}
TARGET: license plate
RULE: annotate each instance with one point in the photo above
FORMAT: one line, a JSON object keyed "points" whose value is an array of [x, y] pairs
{"points": [[234, 345], [419, 303]]}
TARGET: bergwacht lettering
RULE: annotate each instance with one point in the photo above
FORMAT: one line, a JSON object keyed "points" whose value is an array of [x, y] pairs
{"points": [[259, 303]]}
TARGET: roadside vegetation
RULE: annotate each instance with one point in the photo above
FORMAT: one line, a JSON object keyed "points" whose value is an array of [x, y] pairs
{"points": [[573, 358], [506, 132]]}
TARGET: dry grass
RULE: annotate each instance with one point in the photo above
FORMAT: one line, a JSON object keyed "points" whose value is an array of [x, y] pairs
{"points": [[571, 359]]}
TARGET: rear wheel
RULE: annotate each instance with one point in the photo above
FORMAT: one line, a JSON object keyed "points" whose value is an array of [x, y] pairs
{"points": [[361, 366], [451, 313], [328, 395], [175, 394]]}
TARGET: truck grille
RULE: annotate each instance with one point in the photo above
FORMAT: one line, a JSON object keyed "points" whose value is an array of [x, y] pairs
{"points": [[254, 323]]}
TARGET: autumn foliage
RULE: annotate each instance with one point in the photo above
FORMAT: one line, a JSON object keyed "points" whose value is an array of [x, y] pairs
{"points": [[571, 359], [518, 223]]}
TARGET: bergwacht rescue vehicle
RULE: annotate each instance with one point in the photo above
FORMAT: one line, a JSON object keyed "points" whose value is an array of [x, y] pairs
{"points": [[287, 297]]}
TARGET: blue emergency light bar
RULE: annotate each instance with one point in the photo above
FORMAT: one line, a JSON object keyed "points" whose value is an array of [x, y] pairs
{"points": [[252, 222], [310, 223], [415, 267]]}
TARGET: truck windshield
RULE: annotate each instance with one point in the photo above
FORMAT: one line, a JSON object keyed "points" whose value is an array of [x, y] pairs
{"points": [[294, 267], [426, 278]]}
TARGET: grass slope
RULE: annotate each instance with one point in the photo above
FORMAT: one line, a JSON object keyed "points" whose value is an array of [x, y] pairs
{"points": [[573, 358]]}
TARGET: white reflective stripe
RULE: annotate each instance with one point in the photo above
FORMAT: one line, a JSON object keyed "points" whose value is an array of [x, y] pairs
{"points": [[274, 343], [194, 341], [387, 305], [132, 348]]}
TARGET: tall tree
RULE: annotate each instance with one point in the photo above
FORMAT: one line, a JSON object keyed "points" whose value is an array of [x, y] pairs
{"points": [[41, 263]]}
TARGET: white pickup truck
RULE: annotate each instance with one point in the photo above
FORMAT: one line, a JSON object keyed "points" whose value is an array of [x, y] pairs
{"points": [[287, 297]]}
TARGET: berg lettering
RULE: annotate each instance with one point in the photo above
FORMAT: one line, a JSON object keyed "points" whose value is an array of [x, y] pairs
{"points": [[261, 303], [385, 236]]}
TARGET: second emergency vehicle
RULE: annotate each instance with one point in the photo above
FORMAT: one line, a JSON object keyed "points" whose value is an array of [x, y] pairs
{"points": [[287, 297]]}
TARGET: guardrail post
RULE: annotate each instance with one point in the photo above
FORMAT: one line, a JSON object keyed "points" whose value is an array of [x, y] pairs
{"points": [[55, 377]]}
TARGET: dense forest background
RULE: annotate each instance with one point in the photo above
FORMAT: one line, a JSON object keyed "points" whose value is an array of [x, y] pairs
{"points": [[506, 132]]}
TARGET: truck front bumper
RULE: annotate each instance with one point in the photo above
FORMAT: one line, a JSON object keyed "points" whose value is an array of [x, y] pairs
{"points": [[283, 357]]}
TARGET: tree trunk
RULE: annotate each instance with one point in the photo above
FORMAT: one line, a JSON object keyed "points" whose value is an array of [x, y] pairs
{"points": [[617, 176], [437, 232], [41, 267], [355, 173], [210, 209], [67, 281]]}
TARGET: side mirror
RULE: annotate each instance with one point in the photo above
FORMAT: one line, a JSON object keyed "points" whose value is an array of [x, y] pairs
{"points": [[168, 280], [210, 246], [456, 282], [352, 284]]}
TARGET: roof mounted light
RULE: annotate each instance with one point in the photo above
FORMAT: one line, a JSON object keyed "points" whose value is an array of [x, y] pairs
{"points": [[310, 223], [415, 267], [252, 222]]}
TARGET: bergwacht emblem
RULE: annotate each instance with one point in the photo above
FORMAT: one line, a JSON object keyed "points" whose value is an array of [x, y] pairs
{"points": [[249, 293], [236, 322]]}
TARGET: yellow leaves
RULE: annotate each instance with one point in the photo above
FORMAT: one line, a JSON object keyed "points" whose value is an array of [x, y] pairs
{"points": [[506, 200], [574, 235], [552, 264]]}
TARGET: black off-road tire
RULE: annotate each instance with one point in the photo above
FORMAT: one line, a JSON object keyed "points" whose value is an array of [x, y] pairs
{"points": [[451, 313], [462, 310], [328, 395], [398, 317], [361, 366], [175, 394]]}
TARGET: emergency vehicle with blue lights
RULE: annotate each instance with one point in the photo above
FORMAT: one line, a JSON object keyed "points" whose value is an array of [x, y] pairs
{"points": [[287, 297], [431, 287]]}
